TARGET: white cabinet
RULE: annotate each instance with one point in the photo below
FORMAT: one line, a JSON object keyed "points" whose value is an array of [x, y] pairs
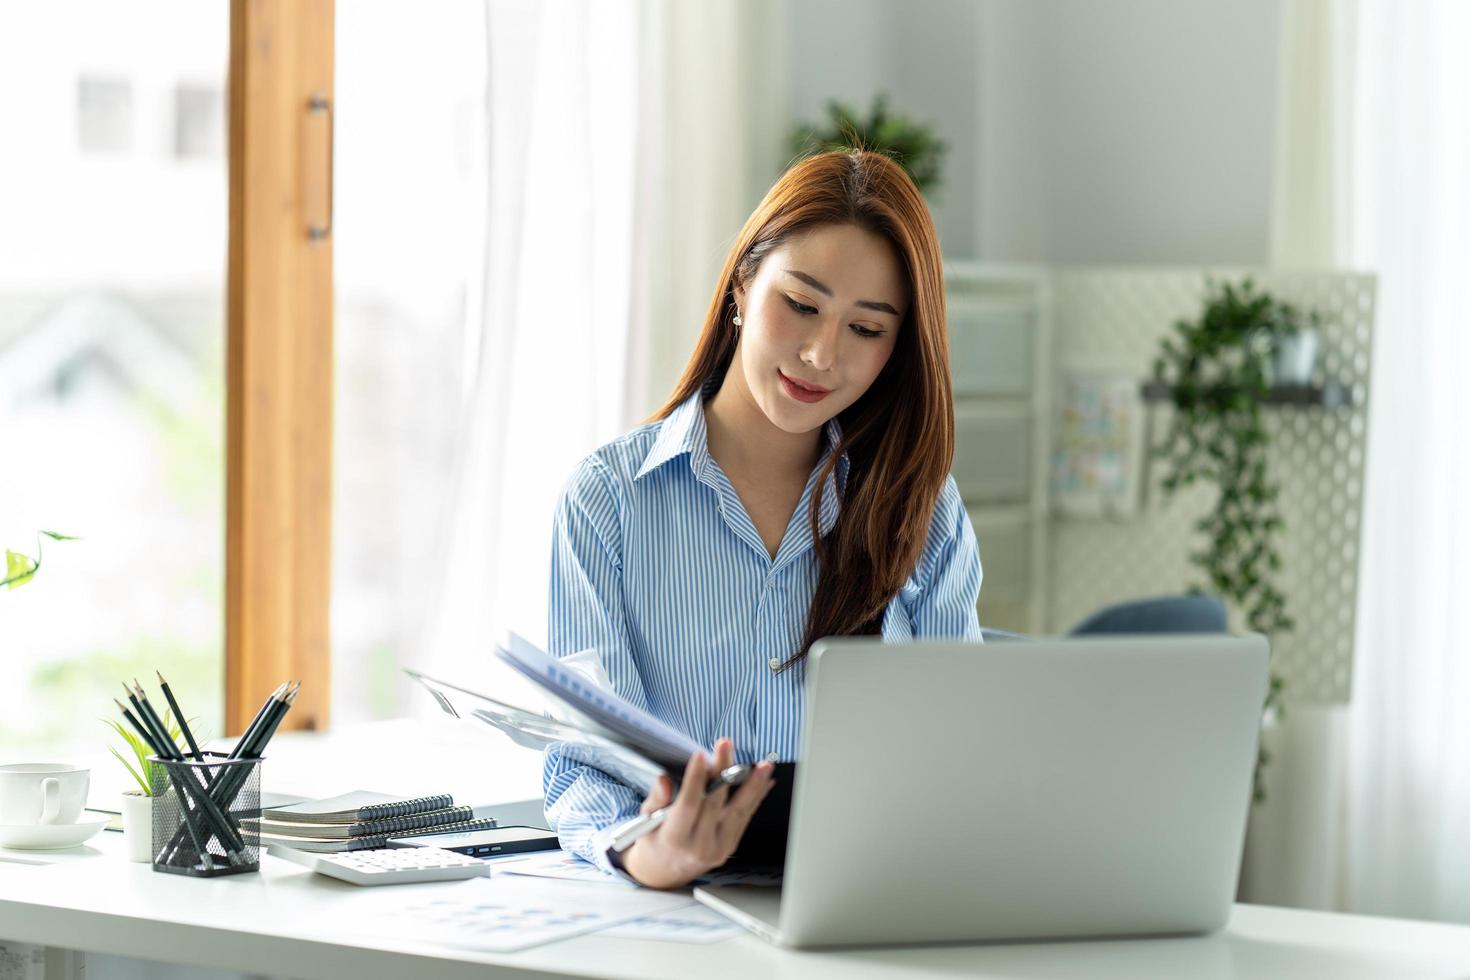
{"points": [[994, 467], [999, 328]]}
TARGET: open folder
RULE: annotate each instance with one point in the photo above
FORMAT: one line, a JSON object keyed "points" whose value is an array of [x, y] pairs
{"points": [[602, 730]]}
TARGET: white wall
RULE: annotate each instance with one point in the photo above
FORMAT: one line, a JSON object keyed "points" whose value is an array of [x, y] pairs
{"points": [[1080, 131], [1155, 129], [923, 54]]}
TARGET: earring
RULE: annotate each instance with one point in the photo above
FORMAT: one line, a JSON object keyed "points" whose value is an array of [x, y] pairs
{"points": [[737, 321]]}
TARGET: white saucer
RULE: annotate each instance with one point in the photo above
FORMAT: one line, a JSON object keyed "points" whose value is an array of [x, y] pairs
{"points": [[50, 836]]}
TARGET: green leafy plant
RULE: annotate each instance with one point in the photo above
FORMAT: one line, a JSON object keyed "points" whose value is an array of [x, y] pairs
{"points": [[1215, 370], [911, 144], [139, 750], [20, 569]]}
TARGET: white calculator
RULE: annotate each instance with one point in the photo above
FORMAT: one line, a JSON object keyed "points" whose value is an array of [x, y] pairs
{"points": [[389, 865]]}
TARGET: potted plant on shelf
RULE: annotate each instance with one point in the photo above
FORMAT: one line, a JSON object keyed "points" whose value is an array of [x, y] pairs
{"points": [[1217, 372], [913, 145], [137, 805]]}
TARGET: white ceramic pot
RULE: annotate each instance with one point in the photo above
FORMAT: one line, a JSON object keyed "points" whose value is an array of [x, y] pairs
{"points": [[1295, 356], [137, 817]]}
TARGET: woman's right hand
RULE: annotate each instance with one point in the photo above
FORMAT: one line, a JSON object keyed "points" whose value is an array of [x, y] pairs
{"points": [[700, 833]]}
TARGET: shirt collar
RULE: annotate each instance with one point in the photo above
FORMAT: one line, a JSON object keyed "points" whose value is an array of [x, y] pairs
{"points": [[683, 431]]}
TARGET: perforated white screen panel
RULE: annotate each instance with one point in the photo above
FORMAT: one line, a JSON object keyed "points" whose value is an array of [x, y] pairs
{"points": [[1118, 316]]}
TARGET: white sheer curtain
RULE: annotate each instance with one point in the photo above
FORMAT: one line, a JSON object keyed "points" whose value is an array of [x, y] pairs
{"points": [[1295, 841], [1408, 849], [1312, 183], [546, 345], [1370, 805], [627, 141]]}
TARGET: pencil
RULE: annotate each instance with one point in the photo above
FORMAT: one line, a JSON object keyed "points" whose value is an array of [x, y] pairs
{"points": [[253, 741], [162, 855], [257, 721], [179, 714], [225, 830], [273, 722], [227, 786], [155, 723], [132, 721], [138, 727], [158, 741]]}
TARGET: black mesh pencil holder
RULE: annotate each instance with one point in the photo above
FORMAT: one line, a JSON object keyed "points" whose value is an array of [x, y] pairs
{"points": [[202, 814]]}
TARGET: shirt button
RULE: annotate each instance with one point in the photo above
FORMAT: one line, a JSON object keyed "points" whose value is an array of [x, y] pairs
{"points": [[775, 663]]}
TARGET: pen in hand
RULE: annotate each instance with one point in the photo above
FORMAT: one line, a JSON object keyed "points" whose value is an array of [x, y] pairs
{"points": [[649, 822]]}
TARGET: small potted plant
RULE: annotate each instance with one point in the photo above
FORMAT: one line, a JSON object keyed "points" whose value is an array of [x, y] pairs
{"points": [[913, 145], [137, 804]]}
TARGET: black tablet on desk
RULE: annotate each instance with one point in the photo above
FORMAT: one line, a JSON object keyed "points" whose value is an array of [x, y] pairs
{"points": [[488, 843]]}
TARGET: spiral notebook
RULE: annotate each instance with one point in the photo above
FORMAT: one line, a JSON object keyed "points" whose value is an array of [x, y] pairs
{"points": [[270, 823], [360, 806], [322, 845]]}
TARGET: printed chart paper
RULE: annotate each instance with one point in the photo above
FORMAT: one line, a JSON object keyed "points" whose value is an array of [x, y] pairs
{"points": [[695, 924], [514, 912]]}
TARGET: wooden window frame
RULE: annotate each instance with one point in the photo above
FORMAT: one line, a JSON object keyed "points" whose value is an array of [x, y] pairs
{"points": [[279, 359]]}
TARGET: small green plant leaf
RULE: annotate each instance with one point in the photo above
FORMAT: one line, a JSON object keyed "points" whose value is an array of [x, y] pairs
{"points": [[147, 791], [19, 569], [140, 750]]}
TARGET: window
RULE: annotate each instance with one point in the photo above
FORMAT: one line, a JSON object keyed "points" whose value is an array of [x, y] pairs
{"points": [[104, 115], [111, 367], [199, 122]]}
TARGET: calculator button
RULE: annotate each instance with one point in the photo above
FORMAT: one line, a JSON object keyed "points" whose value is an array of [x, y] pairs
{"points": [[388, 866]]}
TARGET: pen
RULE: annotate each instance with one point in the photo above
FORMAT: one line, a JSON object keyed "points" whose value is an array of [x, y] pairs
{"points": [[647, 823]]}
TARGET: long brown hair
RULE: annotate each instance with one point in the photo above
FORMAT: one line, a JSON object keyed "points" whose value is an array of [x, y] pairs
{"points": [[899, 436]]}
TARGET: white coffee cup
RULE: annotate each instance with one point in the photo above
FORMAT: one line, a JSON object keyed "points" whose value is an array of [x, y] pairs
{"points": [[42, 793]]}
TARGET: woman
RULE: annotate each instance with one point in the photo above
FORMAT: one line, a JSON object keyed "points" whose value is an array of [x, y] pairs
{"points": [[795, 486]]}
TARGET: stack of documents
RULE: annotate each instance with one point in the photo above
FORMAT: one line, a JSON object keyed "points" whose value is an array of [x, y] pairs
{"points": [[600, 729]]}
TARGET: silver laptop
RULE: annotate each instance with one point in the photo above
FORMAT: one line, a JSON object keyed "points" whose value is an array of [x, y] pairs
{"points": [[1009, 791]]}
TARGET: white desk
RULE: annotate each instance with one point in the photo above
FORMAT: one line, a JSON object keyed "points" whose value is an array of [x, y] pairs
{"points": [[286, 921]]}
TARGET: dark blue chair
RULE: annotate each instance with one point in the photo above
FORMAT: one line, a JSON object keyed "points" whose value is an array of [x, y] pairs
{"points": [[1161, 614]]}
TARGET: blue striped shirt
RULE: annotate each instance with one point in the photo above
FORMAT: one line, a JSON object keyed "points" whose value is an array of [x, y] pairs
{"points": [[656, 565]]}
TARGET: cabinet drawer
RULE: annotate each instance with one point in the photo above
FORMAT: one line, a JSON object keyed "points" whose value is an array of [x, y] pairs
{"points": [[1005, 556], [990, 349], [992, 454], [998, 615]]}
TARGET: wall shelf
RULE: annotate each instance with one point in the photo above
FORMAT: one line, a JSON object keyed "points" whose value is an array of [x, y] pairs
{"points": [[1329, 395]]}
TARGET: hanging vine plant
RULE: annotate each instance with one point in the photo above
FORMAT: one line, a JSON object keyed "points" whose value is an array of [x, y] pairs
{"points": [[1215, 370], [21, 568]]}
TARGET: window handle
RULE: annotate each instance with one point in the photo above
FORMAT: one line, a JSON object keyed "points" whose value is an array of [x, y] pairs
{"points": [[319, 104]]}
